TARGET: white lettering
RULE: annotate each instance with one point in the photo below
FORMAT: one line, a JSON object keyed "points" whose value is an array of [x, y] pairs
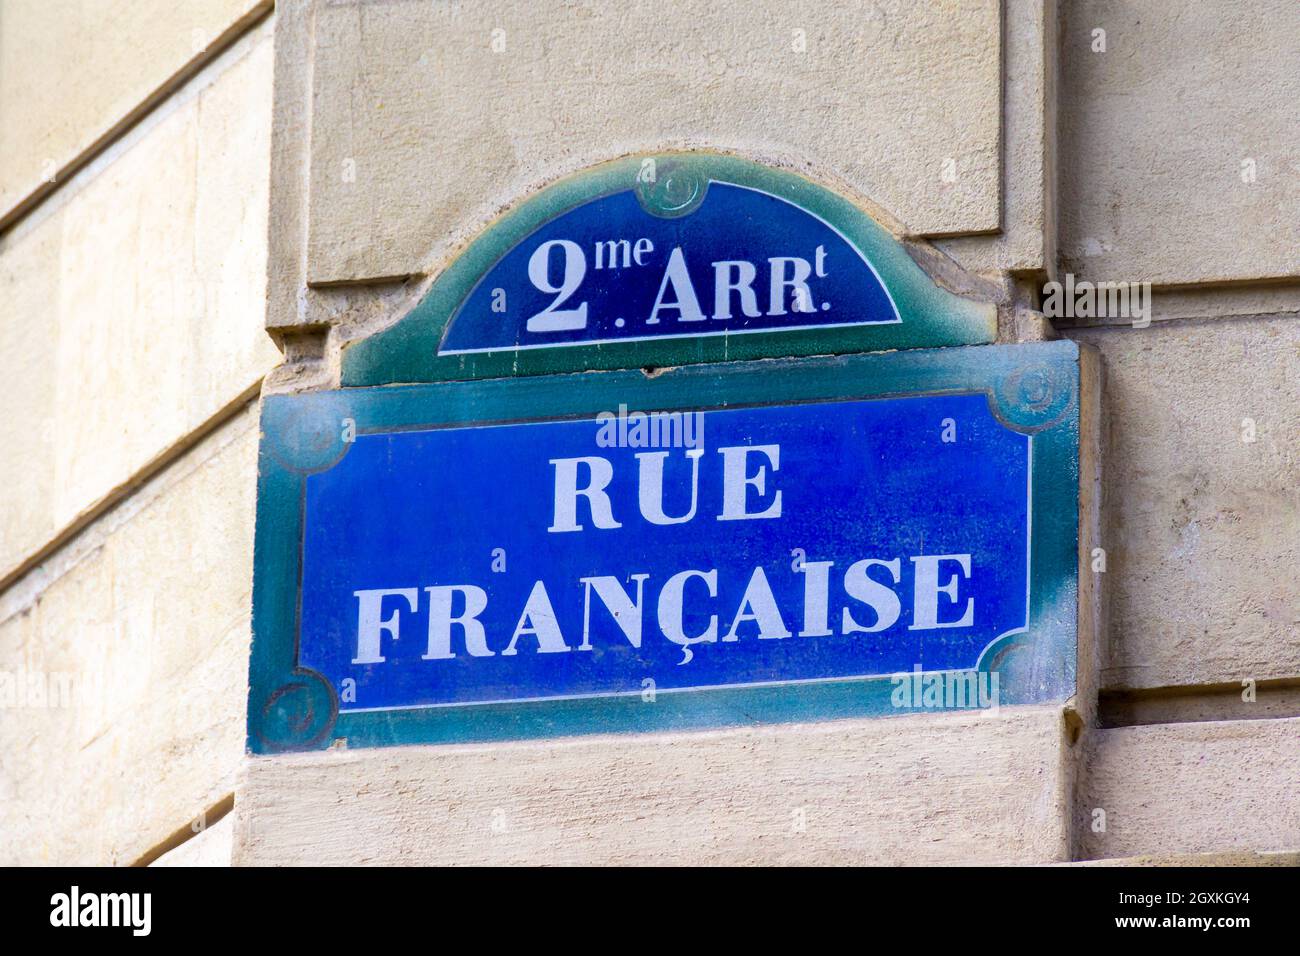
{"points": [[441, 620], [736, 481], [567, 492], [925, 610], [685, 302], [371, 627]]}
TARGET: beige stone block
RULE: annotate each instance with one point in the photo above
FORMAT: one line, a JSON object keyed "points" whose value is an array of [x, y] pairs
{"points": [[1174, 789], [952, 788], [210, 847], [1204, 302], [427, 118], [73, 72], [1026, 243], [1162, 133], [125, 656], [1202, 525], [134, 302]]}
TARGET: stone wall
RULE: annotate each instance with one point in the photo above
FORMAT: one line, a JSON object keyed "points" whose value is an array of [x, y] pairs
{"points": [[299, 178], [134, 205]]}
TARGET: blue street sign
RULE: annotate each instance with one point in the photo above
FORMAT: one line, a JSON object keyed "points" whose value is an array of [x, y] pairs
{"points": [[667, 260], [601, 552], [730, 260], [687, 549]]}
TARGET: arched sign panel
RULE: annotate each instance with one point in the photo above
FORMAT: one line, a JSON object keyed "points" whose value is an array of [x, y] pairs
{"points": [[548, 291], [502, 528], [659, 261]]}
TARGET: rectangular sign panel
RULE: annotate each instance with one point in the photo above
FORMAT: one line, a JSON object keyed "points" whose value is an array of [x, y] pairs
{"points": [[688, 549], [661, 561]]}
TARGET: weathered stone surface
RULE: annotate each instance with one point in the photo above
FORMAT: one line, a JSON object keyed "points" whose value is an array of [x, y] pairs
{"points": [[1173, 789], [1259, 700], [211, 847], [134, 301], [1200, 302], [1202, 527], [71, 72], [1236, 858], [1026, 243], [954, 788], [427, 118], [1159, 132], [137, 635]]}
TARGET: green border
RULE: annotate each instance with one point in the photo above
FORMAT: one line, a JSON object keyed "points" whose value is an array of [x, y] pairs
{"points": [[1032, 388], [407, 351]]}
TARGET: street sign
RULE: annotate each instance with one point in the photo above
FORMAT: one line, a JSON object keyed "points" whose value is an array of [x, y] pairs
{"points": [[537, 560], [662, 261], [800, 539], [731, 260]]}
